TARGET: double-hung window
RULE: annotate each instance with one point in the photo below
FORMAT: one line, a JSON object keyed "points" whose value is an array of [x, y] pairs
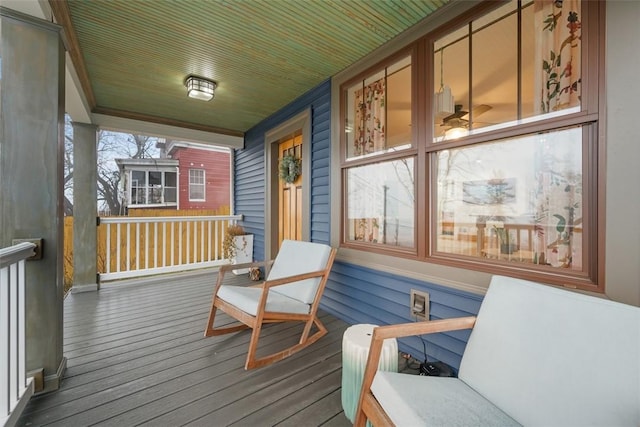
{"points": [[379, 158], [196, 185], [483, 154]]}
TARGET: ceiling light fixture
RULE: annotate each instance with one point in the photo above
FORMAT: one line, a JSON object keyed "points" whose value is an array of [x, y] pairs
{"points": [[443, 103], [200, 88], [456, 132]]}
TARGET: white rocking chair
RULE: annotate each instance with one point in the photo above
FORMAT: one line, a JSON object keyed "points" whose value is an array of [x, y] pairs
{"points": [[292, 291]]}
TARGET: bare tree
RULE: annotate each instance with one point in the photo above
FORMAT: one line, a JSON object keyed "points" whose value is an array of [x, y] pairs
{"points": [[111, 145], [68, 166]]}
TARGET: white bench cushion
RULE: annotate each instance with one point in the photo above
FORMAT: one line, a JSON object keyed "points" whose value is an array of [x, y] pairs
{"points": [[553, 357], [412, 400], [296, 257], [247, 298]]}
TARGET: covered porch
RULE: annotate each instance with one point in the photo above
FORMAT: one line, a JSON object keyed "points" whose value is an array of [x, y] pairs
{"points": [[136, 355]]}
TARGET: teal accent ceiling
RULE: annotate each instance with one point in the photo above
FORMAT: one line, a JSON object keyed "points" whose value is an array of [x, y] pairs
{"points": [[263, 53]]}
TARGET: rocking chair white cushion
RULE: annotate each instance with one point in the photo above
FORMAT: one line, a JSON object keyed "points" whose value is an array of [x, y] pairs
{"points": [[294, 258], [247, 300]]}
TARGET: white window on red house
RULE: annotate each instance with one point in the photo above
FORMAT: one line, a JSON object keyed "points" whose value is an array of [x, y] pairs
{"points": [[196, 185]]}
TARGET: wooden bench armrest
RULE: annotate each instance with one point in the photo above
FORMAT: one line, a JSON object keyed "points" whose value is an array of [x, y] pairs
{"points": [[399, 331]]}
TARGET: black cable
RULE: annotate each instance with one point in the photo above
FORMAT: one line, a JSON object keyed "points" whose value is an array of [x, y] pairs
{"points": [[424, 348]]}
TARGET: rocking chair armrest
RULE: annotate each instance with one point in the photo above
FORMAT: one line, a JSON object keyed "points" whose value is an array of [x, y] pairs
{"points": [[399, 331], [290, 279], [229, 267]]}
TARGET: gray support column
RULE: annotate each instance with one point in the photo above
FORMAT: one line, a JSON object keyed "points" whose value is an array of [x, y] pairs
{"points": [[31, 173], [85, 207]]}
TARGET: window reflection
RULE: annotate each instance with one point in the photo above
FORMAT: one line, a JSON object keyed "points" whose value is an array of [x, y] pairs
{"points": [[516, 200], [381, 203]]}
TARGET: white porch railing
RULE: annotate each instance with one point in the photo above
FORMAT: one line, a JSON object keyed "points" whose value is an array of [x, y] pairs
{"points": [[140, 246], [15, 388]]}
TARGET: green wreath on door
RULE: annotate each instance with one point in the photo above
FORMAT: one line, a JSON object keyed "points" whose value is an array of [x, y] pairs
{"points": [[289, 168]]}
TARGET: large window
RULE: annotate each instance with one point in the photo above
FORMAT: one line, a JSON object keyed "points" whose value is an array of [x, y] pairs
{"points": [[152, 188], [196, 185], [378, 162], [505, 161]]}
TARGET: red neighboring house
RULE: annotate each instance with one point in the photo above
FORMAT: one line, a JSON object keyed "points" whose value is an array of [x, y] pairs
{"points": [[200, 173], [204, 175]]}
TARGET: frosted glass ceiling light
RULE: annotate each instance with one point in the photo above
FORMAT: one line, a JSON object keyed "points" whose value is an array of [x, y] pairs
{"points": [[200, 88], [455, 133]]}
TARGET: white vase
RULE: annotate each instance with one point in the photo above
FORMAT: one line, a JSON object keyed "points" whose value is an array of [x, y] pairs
{"points": [[244, 252]]}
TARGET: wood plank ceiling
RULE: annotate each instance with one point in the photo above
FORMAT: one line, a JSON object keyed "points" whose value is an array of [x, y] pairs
{"points": [[132, 56]]}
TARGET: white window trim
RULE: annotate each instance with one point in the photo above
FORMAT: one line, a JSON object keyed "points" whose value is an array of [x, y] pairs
{"points": [[129, 194], [204, 185]]}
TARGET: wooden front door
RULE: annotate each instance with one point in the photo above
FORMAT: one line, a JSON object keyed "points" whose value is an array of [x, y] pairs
{"points": [[290, 194]]}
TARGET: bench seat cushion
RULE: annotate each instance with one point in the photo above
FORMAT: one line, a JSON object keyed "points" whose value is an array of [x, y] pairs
{"points": [[548, 356], [413, 400]]}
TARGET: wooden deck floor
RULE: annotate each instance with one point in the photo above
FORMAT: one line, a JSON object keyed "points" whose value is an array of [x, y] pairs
{"points": [[137, 356]]}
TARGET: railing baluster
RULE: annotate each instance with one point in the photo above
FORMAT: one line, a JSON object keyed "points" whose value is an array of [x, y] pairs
{"points": [[4, 338], [137, 247], [128, 245], [155, 244], [173, 247], [108, 254], [201, 242], [15, 388], [22, 330], [180, 244], [13, 331], [188, 242], [217, 225], [118, 247], [146, 245], [164, 244]]}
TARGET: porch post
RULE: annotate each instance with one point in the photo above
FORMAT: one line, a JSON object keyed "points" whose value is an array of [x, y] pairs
{"points": [[85, 207], [31, 173]]}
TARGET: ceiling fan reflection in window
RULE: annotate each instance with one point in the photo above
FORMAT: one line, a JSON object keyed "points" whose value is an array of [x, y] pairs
{"points": [[457, 124]]}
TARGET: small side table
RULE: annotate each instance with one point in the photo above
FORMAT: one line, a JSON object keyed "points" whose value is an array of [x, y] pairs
{"points": [[355, 350]]}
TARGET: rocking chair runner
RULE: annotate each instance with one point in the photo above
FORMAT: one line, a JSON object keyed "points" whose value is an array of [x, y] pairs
{"points": [[291, 292]]}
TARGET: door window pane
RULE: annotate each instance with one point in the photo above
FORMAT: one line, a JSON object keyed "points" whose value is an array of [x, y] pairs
{"points": [[138, 187], [170, 187], [155, 187]]}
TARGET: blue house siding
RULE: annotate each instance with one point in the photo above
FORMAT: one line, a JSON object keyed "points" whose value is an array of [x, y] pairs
{"points": [[320, 164], [363, 295], [249, 191], [354, 294], [249, 170]]}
